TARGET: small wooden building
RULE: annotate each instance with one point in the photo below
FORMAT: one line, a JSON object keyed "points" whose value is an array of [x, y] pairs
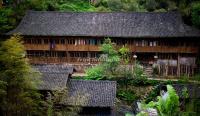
{"points": [[75, 37], [93, 97]]}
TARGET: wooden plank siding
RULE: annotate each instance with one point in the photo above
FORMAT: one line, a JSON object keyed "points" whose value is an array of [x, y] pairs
{"points": [[163, 45], [67, 45], [146, 49]]}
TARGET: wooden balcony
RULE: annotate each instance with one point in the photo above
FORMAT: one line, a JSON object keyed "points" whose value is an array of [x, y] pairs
{"points": [[163, 49], [57, 60], [83, 48], [37, 46], [43, 60], [146, 49], [62, 47]]}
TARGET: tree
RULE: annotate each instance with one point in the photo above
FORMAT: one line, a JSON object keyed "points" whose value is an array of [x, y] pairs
{"points": [[110, 61], [195, 14], [18, 93], [7, 21], [112, 58], [125, 54]]}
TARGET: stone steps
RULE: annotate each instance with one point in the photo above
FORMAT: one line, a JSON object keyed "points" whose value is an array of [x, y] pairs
{"points": [[148, 71]]}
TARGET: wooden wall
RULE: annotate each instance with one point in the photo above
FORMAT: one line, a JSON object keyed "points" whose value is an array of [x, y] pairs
{"points": [[138, 45], [80, 44]]}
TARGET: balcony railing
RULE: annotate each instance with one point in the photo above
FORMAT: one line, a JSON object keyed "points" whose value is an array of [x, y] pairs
{"points": [[43, 60], [150, 49]]}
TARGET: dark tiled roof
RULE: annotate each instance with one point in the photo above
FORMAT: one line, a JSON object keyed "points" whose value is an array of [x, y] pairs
{"points": [[54, 68], [53, 76], [53, 81], [112, 24], [91, 93]]}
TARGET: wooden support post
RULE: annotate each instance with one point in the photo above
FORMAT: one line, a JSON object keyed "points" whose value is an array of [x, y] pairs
{"points": [[68, 57], [88, 53], [178, 65], [186, 69]]}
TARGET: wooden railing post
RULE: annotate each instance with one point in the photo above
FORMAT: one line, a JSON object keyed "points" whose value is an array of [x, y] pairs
{"points": [[178, 65]]}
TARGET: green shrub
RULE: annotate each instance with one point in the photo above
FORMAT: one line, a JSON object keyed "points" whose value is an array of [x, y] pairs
{"points": [[142, 82], [94, 73], [152, 95], [167, 105], [128, 96]]}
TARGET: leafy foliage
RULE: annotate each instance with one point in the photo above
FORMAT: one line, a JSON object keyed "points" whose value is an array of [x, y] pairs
{"points": [[74, 5], [111, 58], [185, 93], [6, 22], [14, 12], [18, 94], [167, 105], [128, 96], [95, 73], [152, 95], [195, 14], [139, 72], [59, 97], [110, 67], [124, 51], [109, 63]]}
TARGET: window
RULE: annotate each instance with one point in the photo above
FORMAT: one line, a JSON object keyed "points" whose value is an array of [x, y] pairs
{"points": [[137, 43], [150, 43], [62, 41], [78, 54], [71, 41], [57, 41], [155, 43], [31, 53], [61, 54], [93, 55], [36, 41], [27, 41], [46, 41]]}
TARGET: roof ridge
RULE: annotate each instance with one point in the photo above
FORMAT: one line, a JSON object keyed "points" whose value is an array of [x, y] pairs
{"points": [[93, 80], [143, 12], [52, 72]]}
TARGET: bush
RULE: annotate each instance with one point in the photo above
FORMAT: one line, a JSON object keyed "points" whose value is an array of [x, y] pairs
{"points": [[142, 82], [95, 73], [152, 95], [128, 96], [167, 104]]}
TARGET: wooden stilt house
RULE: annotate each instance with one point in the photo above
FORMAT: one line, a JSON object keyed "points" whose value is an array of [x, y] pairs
{"points": [[70, 37]]}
